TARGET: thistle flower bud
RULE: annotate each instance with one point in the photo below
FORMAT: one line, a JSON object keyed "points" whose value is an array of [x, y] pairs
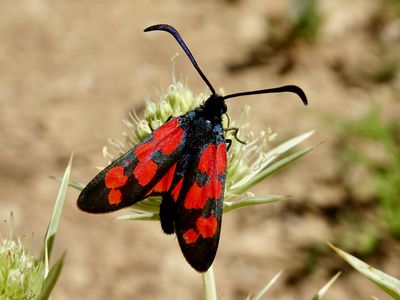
{"points": [[248, 163], [21, 275]]}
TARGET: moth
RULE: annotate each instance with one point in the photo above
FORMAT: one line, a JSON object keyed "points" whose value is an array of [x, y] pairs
{"points": [[183, 161]]}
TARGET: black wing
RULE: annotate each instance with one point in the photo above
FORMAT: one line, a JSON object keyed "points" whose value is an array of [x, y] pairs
{"points": [[193, 207], [146, 169]]}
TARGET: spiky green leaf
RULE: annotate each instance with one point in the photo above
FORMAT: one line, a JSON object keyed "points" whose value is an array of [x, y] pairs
{"points": [[55, 218], [51, 279], [261, 293], [387, 283]]}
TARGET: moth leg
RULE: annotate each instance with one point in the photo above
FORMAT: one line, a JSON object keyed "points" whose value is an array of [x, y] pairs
{"points": [[235, 130], [167, 214], [228, 119], [229, 142]]}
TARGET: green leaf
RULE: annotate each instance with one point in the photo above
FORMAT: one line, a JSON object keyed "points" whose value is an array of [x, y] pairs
{"points": [[151, 204], [76, 185], [267, 171], [279, 165], [140, 217], [51, 279], [326, 287], [259, 174], [251, 200], [387, 283], [262, 292], [286, 146], [55, 218], [72, 183]]}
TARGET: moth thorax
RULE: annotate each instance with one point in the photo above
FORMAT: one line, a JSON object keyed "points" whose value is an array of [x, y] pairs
{"points": [[215, 106]]}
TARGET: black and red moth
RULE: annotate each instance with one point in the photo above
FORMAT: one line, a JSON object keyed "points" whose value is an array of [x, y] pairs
{"points": [[184, 161]]}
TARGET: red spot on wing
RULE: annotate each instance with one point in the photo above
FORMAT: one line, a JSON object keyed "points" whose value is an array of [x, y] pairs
{"points": [[190, 236], [145, 171], [213, 160], [165, 183], [146, 168], [214, 188], [220, 166], [196, 197], [207, 226], [171, 142], [115, 177], [165, 129], [144, 151], [176, 190], [213, 163], [114, 196], [166, 138], [207, 159]]}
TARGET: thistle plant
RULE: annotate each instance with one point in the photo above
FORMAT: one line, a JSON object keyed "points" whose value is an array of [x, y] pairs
{"points": [[22, 275], [20, 272], [248, 163]]}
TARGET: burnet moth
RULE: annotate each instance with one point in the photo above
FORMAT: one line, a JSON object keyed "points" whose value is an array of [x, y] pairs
{"points": [[184, 161]]}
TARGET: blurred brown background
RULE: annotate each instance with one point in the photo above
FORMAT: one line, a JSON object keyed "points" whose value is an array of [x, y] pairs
{"points": [[70, 71]]}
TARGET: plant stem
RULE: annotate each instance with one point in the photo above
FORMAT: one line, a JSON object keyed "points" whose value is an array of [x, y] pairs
{"points": [[210, 291]]}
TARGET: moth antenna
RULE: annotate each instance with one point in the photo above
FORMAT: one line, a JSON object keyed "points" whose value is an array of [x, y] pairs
{"points": [[176, 35], [282, 89]]}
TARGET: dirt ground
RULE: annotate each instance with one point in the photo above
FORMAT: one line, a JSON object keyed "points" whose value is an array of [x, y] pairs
{"points": [[70, 71]]}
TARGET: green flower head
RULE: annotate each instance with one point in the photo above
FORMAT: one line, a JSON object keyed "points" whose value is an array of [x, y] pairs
{"points": [[21, 274], [248, 163]]}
